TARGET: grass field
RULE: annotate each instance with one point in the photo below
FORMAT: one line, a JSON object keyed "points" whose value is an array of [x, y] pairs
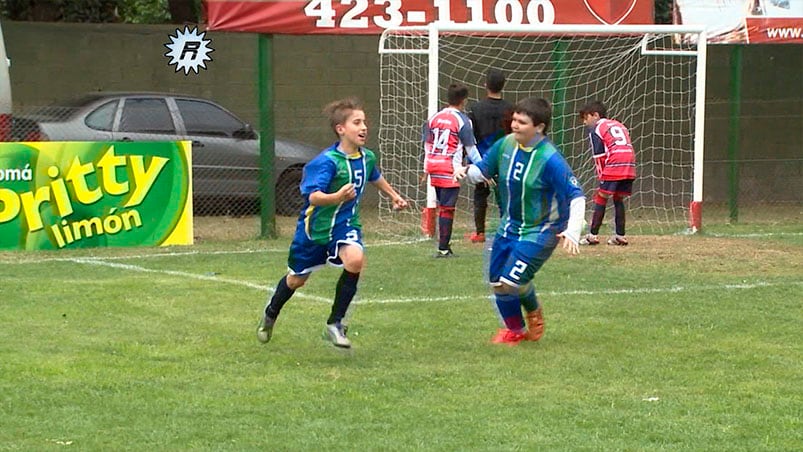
{"points": [[694, 343]]}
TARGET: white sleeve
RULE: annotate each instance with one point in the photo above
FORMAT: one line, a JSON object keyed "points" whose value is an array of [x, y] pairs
{"points": [[473, 154], [474, 175], [577, 211]]}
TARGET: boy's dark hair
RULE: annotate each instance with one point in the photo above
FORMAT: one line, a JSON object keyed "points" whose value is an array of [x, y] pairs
{"points": [[495, 80], [592, 107], [538, 109], [456, 93], [339, 111]]}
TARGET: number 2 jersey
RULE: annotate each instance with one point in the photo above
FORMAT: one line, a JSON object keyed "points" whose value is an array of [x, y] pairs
{"points": [[535, 186], [614, 156], [445, 136], [328, 172]]}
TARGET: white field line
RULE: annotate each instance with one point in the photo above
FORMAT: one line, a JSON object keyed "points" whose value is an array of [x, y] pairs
{"points": [[567, 293], [755, 235], [185, 253], [181, 274]]}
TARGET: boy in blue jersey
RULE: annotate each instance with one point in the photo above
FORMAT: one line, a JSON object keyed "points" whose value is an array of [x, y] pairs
{"points": [[329, 229], [541, 203]]}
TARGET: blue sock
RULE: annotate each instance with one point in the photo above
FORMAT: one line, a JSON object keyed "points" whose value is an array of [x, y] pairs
{"points": [[509, 308], [529, 300]]}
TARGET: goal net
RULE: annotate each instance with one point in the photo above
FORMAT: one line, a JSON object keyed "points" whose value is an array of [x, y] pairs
{"points": [[650, 78]]}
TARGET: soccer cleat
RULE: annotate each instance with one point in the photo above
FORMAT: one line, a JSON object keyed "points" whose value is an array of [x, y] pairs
{"points": [[506, 336], [476, 237], [444, 254], [590, 239], [336, 333], [265, 329], [617, 240], [535, 325]]}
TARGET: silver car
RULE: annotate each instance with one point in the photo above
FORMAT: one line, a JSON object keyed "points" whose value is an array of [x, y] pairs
{"points": [[225, 150]]}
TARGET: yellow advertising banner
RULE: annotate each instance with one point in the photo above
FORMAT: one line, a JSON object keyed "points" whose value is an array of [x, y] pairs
{"points": [[57, 195]]}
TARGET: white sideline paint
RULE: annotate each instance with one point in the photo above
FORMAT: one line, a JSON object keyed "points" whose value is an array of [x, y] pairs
{"points": [[756, 234], [740, 286], [191, 253]]}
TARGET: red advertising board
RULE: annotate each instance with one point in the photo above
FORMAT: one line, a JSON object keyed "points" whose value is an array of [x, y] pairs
{"points": [[373, 16], [745, 21]]}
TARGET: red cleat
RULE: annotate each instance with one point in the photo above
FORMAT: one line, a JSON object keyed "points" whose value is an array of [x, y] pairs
{"points": [[509, 337], [476, 237], [535, 325]]}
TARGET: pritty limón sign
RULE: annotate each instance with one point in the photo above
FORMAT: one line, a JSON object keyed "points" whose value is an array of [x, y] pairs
{"points": [[56, 195]]}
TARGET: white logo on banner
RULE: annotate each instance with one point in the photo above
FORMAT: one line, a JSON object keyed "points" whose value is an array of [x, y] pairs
{"points": [[189, 50]]}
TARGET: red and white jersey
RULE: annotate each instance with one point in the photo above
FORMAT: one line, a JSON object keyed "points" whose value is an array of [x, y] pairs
{"points": [[445, 135], [614, 156]]}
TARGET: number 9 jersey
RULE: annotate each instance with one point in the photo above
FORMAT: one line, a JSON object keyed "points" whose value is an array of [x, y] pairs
{"points": [[614, 156]]}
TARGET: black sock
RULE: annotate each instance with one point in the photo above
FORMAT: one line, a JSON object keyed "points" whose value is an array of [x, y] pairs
{"points": [[619, 216], [596, 218], [481, 193], [279, 298], [444, 232], [344, 293]]}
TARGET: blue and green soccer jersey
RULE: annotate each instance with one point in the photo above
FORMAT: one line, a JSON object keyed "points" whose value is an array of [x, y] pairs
{"points": [[328, 172], [535, 186]]}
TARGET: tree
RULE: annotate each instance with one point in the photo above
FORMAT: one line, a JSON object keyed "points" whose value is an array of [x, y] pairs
{"points": [[184, 11], [663, 11], [129, 11]]}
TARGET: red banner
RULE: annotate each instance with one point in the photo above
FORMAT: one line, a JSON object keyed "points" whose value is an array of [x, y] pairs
{"points": [[745, 21], [373, 16]]}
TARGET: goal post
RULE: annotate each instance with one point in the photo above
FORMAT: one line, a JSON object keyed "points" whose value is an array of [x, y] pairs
{"points": [[651, 77]]}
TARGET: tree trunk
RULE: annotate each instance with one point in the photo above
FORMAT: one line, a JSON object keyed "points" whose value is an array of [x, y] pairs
{"points": [[182, 11]]}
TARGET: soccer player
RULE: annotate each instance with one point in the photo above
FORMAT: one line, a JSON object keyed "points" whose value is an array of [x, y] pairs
{"points": [[490, 118], [328, 229], [541, 203], [446, 135], [615, 163]]}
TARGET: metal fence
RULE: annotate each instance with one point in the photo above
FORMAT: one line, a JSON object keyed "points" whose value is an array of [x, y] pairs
{"points": [[225, 150]]}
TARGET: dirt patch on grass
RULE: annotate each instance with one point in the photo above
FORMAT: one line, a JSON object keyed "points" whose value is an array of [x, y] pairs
{"points": [[707, 254]]}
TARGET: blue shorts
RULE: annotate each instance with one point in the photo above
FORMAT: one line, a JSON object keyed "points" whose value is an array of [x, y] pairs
{"points": [[622, 187], [447, 197], [306, 256], [515, 262]]}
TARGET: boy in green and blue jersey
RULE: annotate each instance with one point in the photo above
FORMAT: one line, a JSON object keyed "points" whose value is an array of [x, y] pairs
{"points": [[541, 202], [329, 228]]}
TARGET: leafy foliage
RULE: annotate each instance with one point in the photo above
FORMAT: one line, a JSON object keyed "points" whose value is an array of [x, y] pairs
{"points": [[100, 11], [145, 11], [663, 11]]}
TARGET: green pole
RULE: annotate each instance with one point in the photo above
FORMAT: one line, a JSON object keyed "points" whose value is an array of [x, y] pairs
{"points": [[733, 133], [267, 139], [558, 127]]}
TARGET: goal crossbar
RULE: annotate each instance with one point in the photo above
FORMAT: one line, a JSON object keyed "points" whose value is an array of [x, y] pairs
{"points": [[428, 50]]}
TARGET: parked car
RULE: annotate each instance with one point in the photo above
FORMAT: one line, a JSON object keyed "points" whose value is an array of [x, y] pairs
{"points": [[225, 150]]}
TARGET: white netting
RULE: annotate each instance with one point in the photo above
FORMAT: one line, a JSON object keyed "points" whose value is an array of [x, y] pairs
{"points": [[653, 94]]}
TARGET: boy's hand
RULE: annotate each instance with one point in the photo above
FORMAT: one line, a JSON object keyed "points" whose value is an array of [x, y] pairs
{"points": [[399, 203], [347, 192], [571, 246], [460, 173]]}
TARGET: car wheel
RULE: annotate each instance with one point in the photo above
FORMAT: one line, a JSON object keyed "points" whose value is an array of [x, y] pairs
{"points": [[288, 197]]}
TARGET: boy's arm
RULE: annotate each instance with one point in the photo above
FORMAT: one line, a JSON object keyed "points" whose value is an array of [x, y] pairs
{"points": [[485, 170], [345, 194], [567, 188], [597, 151], [382, 185]]}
